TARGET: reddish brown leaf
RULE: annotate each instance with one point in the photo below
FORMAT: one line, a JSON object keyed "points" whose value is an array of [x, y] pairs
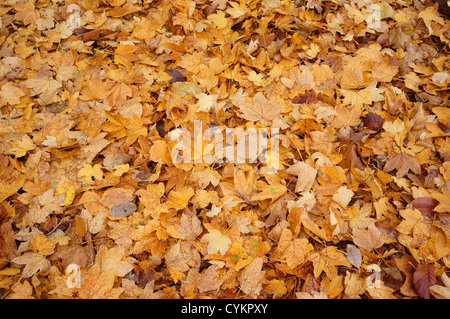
{"points": [[308, 97], [423, 278], [176, 76], [425, 205], [373, 121]]}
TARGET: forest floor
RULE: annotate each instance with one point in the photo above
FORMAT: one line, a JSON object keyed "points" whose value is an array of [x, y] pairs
{"points": [[103, 196]]}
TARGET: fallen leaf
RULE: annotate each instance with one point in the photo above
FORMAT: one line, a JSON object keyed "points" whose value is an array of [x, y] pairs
{"points": [[425, 205], [423, 278], [250, 280], [217, 242], [34, 262], [327, 260], [125, 55], [403, 163], [99, 284], [441, 292], [122, 209], [354, 256], [11, 94], [369, 238], [260, 109]]}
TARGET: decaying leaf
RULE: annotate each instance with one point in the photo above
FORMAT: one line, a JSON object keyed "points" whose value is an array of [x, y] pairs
{"points": [[423, 278], [224, 149], [217, 242], [251, 277]]}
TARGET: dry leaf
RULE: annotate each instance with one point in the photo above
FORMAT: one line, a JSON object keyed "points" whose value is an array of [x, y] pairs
{"points": [[217, 242]]}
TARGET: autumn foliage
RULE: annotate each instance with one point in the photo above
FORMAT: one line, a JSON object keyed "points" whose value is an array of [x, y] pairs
{"points": [[90, 97]]}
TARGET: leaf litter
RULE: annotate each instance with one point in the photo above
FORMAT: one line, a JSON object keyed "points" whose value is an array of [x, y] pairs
{"points": [[94, 205]]}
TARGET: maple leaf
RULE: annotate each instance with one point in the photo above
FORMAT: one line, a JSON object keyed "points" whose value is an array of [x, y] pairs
{"points": [[10, 94], [91, 173], [373, 121], [403, 163], [327, 260], [219, 19], [277, 210], [269, 191], [119, 127], [19, 148], [151, 196], [275, 287], [25, 12], [183, 256], [343, 196], [95, 88], [347, 116], [7, 242], [207, 280], [99, 284], [430, 14], [217, 242], [444, 201], [42, 245], [46, 88], [423, 278], [250, 279], [33, 262], [124, 55], [244, 185], [260, 110], [190, 227], [294, 251], [112, 260], [309, 224], [119, 93], [179, 199]]}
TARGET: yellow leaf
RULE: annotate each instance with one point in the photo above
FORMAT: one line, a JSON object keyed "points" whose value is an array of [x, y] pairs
{"points": [[124, 55], [276, 287], [180, 199], [218, 19], [19, 148], [327, 260], [11, 94], [294, 251], [40, 244], [119, 170], [217, 242], [91, 173]]}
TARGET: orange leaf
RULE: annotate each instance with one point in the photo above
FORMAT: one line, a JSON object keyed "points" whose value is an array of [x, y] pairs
{"points": [[125, 55]]}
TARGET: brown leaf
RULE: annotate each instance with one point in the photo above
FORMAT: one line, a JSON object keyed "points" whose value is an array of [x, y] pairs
{"points": [[425, 205], [176, 76], [423, 278], [260, 110], [369, 239], [122, 209], [373, 121], [251, 277], [403, 163]]}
